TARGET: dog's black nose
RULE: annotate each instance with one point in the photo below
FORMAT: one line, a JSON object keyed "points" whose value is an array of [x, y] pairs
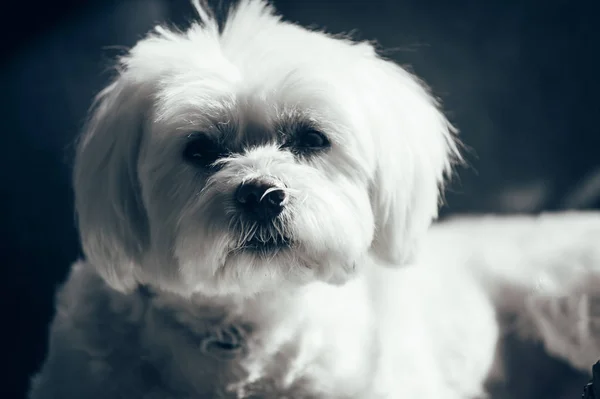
{"points": [[262, 199]]}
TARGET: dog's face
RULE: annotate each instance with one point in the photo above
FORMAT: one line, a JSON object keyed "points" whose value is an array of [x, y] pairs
{"points": [[262, 155]]}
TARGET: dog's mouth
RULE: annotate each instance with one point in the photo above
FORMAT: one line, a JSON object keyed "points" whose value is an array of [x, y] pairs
{"points": [[267, 245]]}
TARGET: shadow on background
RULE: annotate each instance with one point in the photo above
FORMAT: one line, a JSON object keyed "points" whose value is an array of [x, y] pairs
{"points": [[518, 78]]}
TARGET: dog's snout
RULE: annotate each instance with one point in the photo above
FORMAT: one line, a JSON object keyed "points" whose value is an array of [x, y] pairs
{"points": [[261, 198]]}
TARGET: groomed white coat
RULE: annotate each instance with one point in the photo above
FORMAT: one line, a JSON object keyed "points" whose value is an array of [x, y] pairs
{"points": [[362, 301]]}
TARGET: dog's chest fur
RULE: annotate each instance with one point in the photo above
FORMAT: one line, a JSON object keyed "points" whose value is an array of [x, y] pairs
{"points": [[388, 334], [148, 345]]}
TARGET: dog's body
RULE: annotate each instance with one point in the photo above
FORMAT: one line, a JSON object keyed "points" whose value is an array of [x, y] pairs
{"points": [[428, 330], [245, 194], [394, 334]]}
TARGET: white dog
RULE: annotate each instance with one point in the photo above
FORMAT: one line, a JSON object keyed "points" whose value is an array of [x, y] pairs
{"points": [[245, 194]]}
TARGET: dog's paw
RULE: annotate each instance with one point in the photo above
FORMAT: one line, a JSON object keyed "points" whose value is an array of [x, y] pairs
{"points": [[569, 327]]}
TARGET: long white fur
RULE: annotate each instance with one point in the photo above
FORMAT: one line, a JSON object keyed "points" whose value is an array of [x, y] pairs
{"points": [[164, 281]]}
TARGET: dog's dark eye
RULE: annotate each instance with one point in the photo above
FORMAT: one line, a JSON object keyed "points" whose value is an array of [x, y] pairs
{"points": [[202, 150], [311, 139]]}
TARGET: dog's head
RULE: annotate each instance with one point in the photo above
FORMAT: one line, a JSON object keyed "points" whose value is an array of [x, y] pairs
{"points": [[237, 158]]}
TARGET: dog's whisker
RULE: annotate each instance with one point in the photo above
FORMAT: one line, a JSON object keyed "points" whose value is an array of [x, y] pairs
{"points": [[269, 191]]}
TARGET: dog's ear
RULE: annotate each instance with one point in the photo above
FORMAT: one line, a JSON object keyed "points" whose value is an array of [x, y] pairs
{"points": [[112, 222], [415, 146]]}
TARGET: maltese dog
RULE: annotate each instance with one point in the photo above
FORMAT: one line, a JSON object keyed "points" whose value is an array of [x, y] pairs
{"points": [[254, 202]]}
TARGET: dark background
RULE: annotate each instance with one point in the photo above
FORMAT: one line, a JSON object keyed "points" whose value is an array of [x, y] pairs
{"points": [[519, 78]]}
